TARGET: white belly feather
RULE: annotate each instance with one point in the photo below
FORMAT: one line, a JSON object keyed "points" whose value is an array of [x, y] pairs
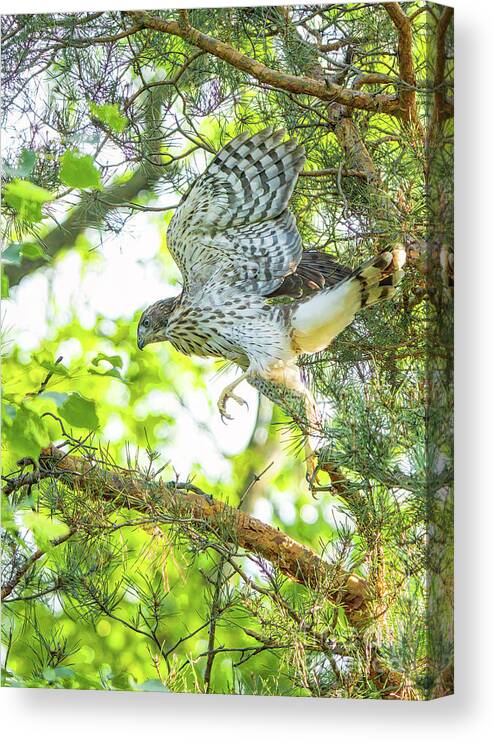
{"points": [[320, 319]]}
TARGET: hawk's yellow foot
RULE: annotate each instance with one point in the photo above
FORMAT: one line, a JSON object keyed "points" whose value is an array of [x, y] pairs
{"points": [[312, 467], [228, 393]]}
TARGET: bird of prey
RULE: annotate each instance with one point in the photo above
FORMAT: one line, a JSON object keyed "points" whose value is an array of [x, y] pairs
{"points": [[237, 246]]}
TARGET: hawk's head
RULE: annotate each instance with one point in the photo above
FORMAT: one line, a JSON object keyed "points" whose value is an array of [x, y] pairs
{"points": [[152, 327]]}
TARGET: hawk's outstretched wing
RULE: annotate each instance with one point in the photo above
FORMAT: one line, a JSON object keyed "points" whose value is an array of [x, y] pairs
{"points": [[233, 229]]}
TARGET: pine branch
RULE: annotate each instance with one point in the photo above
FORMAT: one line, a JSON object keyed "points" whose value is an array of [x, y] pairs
{"points": [[296, 561], [27, 565], [324, 90]]}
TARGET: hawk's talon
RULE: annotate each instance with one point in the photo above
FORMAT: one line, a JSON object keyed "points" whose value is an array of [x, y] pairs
{"points": [[312, 474], [225, 396], [313, 470], [225, 416]]}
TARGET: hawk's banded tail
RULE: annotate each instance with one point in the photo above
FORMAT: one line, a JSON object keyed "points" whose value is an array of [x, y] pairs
{"points": [[320, 318]]}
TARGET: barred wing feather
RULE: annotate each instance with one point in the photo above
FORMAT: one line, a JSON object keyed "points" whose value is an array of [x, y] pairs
{"points": [[233, 227]]}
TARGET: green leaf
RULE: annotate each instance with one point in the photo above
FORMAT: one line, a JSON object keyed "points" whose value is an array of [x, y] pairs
{"points": [[113, 372], [54, 674], [12, 254], [56, 368], [27, 199], [79, 411], [8, 679], [24, 166], [27, 434], [8, 516], [115, 361], [151, 685], [8, 412], [119, 680], [26, 162], [44, 529], [31, 251], [58, 397], [15, 252], [109, 114], [79, 171], [64, 672]]}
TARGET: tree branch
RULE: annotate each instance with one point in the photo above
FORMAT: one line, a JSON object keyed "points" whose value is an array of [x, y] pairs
{"points": [[441, 107], [324, 90], [11, 584], [407, 94], [298, 562]]}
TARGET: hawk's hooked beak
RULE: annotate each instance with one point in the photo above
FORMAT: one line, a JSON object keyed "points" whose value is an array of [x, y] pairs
{"points": [[140, 343]]}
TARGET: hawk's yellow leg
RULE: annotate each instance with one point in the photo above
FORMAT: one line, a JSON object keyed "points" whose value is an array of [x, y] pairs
{"points": [[311, 460], [228, 394], [314, 422]]}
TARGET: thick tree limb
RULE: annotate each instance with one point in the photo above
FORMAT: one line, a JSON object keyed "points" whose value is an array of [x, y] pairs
{"points": [[324, 90], [442, 108], [296, 561], [355, 152], [407, 94]]}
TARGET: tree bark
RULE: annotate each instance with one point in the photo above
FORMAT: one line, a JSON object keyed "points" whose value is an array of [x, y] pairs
{"points": [[324, 90], [298, 562], [407, 95]]}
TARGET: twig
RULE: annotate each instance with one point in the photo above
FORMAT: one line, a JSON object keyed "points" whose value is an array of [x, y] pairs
{"points": [[30, 562]]}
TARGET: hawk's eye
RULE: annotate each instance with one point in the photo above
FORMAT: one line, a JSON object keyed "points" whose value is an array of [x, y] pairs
{"points": [[146, 323]]}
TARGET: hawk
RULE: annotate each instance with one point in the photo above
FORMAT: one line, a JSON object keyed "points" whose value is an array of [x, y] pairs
{"points": [[237, 246]]}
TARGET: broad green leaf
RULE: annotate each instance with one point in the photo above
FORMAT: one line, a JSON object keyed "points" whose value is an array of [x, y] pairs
{"points": [[56, 368], [8, 515], [27, 434], [10, 680], [109, 114], [26, 163], [54, 674], [113, 372], [79, 171], [8, 412], [64, 672], [150, 685], [58, 397], [79, 411], [115, 361], [15, 252], [119, 680], [12, 254], [27, 199], [24, 167], [31, 251]]}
